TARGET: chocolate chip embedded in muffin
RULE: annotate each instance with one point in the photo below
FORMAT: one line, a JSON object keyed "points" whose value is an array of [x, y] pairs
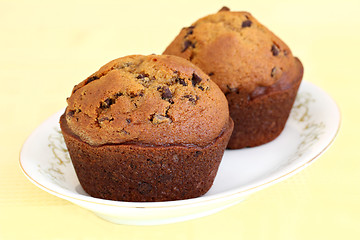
{"points": [[190, 30], [192, 98], [166, 93], [246, 23], [275, 50], [181, 81], [187, 44], [92, 78], [195, 79]]}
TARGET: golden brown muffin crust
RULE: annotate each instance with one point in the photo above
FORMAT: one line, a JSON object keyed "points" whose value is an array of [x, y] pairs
{"points": [[156, 100], [235, 50]]}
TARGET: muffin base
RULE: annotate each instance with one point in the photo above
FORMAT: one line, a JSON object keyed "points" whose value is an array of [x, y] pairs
{"points": [[138, 173], [260, 119]]}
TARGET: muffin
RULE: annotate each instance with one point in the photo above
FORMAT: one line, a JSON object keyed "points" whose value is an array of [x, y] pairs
{"points": [[254, 68], [146, 128]]}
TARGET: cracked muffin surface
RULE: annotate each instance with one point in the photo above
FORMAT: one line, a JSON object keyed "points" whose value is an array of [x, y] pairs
{"points": [[155, 100]]}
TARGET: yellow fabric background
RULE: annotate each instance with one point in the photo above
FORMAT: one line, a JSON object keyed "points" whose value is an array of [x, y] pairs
{"points": [[46, 47]]}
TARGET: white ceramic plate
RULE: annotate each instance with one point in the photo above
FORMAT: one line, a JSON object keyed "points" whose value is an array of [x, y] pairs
{"points": [[311, 128]]}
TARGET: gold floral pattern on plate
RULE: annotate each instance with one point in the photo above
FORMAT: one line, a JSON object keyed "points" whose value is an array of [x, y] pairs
{"points": [[311, 130], [60, 158]]}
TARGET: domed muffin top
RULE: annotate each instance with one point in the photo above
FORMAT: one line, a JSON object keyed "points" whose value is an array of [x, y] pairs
{"points": [[151, 100], [235, 50]]}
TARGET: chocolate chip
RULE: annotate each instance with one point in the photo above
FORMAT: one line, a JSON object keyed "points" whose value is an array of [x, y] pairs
{"points": [[192, 98], [201, 88], [141, 76], [166, 93], [273, 71], [187, 44], [181, 81], [90, 79], [141, 93], [107, 103], [119, 94], [224, 9], [167, 113], [144, 187], [210, 74], [189, 31], [275, 50], [105, 119], [71, 113], [285, 53], [128, 120], [246, 23], [195, 79]]}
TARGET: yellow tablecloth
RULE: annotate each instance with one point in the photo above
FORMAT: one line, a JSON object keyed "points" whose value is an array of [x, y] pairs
{"points": [[46, 47]]}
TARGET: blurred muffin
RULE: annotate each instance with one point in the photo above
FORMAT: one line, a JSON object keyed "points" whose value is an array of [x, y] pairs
{"points": [[146, 128], [254, 68]]}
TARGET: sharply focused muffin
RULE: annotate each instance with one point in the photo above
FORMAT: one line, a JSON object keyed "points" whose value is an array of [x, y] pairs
{"points": [[253, 67], [146, 128]]}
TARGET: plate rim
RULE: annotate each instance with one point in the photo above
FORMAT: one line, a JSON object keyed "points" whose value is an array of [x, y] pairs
{"points": [[229, 194]]}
